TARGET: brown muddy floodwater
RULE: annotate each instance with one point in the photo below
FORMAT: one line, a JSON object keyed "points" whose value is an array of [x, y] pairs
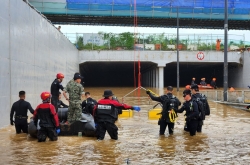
{"points": [[225, 140]]}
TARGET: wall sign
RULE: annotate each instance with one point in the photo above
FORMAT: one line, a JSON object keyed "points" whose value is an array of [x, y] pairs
{"points": [[200, 55]]}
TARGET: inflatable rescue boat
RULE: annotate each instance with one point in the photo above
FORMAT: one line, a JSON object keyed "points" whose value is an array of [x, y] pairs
{"points": [[205, 86], [208, 86], [86, 125]]}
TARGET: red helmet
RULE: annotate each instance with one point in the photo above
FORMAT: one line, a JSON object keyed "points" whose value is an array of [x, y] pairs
{"points": [[59, 75], [45, 96]]}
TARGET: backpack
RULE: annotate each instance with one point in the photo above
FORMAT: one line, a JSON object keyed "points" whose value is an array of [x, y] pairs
{"points": [[206, 108], [170, 105], [200, 108]]}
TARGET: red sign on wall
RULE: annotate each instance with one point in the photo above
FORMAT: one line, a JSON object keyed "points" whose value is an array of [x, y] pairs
{"points": [[200, 55]]}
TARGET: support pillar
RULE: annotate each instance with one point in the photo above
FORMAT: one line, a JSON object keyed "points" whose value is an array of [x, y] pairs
{"points": [[156, 78], [161, 80]]}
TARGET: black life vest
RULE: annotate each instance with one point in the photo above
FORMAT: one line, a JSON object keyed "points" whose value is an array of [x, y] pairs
{"points": [[170, 105], [106, 112], [190, 109], [200, 108]]}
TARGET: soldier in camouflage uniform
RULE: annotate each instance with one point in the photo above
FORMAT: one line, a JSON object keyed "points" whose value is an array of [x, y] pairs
{"points": [[75, 90]]}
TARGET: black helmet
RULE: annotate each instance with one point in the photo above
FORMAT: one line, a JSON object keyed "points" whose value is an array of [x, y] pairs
{"points": [[107, 93], [186, 92]]}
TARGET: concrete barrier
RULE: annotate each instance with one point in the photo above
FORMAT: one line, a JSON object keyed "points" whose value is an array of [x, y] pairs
{"points": [[32, 51]]}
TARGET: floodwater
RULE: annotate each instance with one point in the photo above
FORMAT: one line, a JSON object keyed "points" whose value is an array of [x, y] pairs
{"points": [[225, 140]]}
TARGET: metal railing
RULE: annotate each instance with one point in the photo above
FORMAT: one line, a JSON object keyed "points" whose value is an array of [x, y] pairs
{"points": [[157, 41], [237, 96]]}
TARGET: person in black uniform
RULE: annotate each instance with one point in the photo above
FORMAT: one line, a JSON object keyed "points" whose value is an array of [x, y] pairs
{"points": [[192, 112], [54, 90], [203, 82], [60, 104], [20, 108], [106, 115], [193, 81], [88, 104], [213, 83], [169, 102], [195, 95]]}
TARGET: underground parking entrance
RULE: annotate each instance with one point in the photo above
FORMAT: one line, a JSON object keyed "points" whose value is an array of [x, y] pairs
{"points": [[125, 74]]}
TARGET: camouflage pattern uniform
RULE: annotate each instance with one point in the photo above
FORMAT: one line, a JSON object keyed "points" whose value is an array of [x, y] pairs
{"points": [[75, 91]]}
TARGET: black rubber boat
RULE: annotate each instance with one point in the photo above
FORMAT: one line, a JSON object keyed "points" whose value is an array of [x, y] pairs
{"points": [[86, 125]]}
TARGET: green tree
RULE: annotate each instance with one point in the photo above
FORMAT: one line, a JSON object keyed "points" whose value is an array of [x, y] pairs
{"points": [[241, 45], [126, 40], [79, 43]]}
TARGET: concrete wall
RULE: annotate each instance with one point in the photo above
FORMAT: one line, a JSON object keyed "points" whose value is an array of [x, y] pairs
{"points": [[239, 76], [32, 51], [159, 57]]}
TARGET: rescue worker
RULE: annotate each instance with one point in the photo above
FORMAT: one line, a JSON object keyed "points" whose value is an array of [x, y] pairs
{"points": [[231, 89], [75, 90], [49, 122], [192, 112], [20, 108], [193, 81], [196, 94], [218, 44], [106, 115], [169, 102], [203, 82], [213, 83], [60, 104], [88, 104], [54, 89]]}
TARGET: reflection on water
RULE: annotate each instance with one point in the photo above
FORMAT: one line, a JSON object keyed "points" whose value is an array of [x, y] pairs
{"points": [[224, 140]]}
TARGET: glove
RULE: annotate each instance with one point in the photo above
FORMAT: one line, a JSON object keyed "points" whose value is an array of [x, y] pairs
{"points": [[136, 108], [148, 92], [12, 122], [58, 130]]}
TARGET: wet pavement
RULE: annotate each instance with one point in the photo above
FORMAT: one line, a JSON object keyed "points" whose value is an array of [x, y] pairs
{"points": [[225, 140]]}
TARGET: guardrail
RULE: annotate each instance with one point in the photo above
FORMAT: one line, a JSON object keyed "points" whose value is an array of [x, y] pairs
{"points": [[237, 96]]}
